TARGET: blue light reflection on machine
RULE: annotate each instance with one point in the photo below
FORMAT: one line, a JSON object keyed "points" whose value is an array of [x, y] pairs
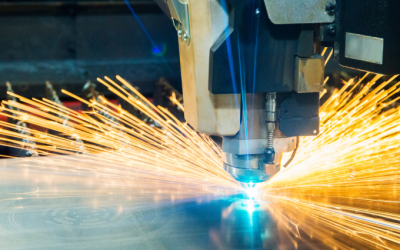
{"points": [[229, 49], [160, 50], [155, 47]]}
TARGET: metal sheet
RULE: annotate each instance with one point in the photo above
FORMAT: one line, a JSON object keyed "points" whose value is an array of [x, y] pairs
{"points": [[298, 11], [117, 223], [62, 209]]}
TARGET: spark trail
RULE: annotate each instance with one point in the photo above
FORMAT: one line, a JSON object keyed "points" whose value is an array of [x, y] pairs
{"points": [[342, 186], [347, 178], [169, 152]]}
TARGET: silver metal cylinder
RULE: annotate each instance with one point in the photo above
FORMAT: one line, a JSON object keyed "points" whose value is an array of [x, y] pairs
{"points": [[270, 139], [270, 117], [243, 154], [270, 107]]}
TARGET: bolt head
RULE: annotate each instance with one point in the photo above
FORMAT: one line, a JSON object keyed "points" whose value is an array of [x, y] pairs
{"points": [[269, 156], [270, 126], [332, 29], [258, 12], [330, 8], [185, 36], [180, 33]]}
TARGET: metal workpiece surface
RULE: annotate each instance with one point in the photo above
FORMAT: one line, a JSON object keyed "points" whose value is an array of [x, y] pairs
{"points": [[41, 209], [76, 223]]}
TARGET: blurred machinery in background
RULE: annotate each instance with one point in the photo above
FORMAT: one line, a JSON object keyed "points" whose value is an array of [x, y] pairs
{"points": [[69, 42], [163, 94], [28, 148]]}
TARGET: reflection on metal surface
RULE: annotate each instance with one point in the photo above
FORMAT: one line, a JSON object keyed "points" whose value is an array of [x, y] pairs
{"points": [[66, 210], [57, 202], [61, 210], [364, 48]]}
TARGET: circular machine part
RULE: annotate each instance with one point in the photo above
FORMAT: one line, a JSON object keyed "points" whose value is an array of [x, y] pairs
{"points": [[249, 168]]}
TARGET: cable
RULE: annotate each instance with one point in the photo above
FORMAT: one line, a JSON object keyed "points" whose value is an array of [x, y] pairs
{"points": [[293, 153]]}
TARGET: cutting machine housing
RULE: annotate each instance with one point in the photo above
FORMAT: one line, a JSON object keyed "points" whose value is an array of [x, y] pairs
{"points": [[252, 70]]}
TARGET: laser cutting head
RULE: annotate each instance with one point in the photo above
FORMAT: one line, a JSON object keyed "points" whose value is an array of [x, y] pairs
{"points": [[244, 153], [238, 72], [252, 70]]}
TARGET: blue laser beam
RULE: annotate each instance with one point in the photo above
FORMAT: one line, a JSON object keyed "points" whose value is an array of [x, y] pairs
{"points": [[229, 50]]}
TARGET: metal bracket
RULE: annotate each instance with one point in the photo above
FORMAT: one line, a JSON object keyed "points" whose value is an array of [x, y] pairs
{"points": [[309, 74], [179, 10], [300, 11]]}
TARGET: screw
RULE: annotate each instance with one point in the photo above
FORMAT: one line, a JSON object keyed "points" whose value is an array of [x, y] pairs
{"points": [[330, 8], [184, 36], [180, 33], [332, 30], [258, 12]]}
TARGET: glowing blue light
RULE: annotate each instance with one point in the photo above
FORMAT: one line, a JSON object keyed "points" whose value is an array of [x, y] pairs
{"points": [[160, 50], [250, 206], [251, 192], [156, 50], [160, 53]]}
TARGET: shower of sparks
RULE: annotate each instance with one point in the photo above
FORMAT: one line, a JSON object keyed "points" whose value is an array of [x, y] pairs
{"points": [[170, 152], [341, 187], [176, 102], [347, 178]]}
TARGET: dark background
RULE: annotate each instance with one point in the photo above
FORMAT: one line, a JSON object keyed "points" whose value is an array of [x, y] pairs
{"points": [[69, 42]]}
